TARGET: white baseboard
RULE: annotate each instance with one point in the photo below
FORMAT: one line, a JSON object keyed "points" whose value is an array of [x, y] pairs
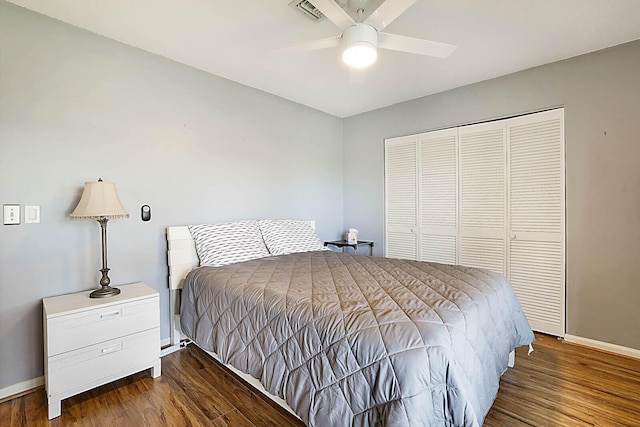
{"points": [[21, 387], [601, 345]]}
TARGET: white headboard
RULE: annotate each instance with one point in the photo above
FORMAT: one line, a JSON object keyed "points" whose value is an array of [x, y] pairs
{"points": [[181, 255]]}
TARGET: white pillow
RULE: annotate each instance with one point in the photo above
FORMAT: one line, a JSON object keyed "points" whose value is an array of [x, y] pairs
{"points": [[286, 236], [228, 242]]}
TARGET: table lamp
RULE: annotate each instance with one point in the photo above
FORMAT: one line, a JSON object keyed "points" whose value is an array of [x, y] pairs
{"points": [[100, 201]]}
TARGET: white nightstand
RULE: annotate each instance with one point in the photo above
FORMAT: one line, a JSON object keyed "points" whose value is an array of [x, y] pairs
{"points": [[91, 341]]}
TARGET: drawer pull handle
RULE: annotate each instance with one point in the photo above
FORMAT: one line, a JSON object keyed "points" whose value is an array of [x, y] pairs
{"points": [[111, 349], [110, 315]]}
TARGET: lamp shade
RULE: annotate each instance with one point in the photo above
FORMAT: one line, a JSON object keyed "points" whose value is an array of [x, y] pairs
{"points": [[99, 200]]}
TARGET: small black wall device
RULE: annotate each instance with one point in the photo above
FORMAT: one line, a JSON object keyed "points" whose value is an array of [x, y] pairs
{"points": [[145, 212]]}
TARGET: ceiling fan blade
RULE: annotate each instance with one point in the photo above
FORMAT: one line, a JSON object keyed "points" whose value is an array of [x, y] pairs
{"points": [[334, 13], [387, 13], [413, 45], [312, 45]]}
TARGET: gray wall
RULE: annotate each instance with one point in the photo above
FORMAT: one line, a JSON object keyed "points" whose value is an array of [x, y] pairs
{"points": [[75, 107], [601, 95]]}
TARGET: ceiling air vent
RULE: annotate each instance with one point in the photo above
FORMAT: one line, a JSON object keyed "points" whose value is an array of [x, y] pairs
{"points": [[308, 9]]}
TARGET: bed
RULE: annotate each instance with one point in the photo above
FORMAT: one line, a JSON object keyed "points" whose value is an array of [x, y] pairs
{"points": [[346, 340]]}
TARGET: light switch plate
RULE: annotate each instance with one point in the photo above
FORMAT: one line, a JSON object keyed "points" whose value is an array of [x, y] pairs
{"points": [[11, 214], [31, 214]]}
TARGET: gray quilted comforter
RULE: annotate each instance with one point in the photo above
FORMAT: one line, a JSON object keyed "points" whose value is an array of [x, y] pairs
{"points": [[354, 340]]}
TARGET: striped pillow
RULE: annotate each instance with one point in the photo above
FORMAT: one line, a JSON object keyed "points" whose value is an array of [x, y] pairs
{"points": [[289, 236], [228, 242]]}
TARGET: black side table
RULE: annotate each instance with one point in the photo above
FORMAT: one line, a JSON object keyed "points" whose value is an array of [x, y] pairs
{"points": [[343, 243]]}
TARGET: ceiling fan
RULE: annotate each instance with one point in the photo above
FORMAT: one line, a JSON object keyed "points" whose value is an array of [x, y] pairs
{"points": [[361, 39]]}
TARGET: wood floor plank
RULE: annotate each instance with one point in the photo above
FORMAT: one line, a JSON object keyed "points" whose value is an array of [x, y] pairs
{"points": [[133, 392], [240, 396], [176, 405], [35, 407], [99, 406], [198, 390], [559, 384], [501, 419], [232, 419], [18, 413], [5, 409]]}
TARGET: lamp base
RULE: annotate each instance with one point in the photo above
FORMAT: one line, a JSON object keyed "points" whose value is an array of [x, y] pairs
{"points": [[104, 292]]}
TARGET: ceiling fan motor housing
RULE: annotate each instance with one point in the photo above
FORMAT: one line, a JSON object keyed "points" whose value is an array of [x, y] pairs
{"points": [[360, 33], [360, 43]]}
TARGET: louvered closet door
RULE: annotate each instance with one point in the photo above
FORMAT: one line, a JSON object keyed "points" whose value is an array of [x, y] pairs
{"points": [[438, 189], [401, 192], [537, 218], [482, 219]]}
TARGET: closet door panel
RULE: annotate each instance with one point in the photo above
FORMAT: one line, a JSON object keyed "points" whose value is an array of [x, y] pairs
{"points": [[482, 196], [537, 218], [438, 188], [438, 248], [537, 276], [483, 253], [536, 174], [401, 192], [401, 245]]}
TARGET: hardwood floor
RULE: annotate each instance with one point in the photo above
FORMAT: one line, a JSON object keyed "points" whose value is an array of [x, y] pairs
{"points": [[559, 384], [562, 384]]}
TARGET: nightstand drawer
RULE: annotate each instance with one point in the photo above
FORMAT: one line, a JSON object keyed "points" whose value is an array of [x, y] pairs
{"points": [[85, 328], [101, 363]]}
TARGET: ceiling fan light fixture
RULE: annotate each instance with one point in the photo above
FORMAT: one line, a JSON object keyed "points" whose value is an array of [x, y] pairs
{"points": [[360, 46], [359, 55]]}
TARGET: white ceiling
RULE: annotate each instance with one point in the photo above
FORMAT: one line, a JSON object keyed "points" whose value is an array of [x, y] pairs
{"points": [[236, 40]]}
